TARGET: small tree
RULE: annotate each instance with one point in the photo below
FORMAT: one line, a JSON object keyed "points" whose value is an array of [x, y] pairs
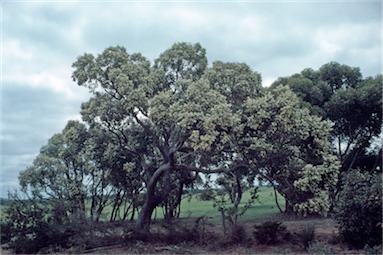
{"points": [[228, 197]]}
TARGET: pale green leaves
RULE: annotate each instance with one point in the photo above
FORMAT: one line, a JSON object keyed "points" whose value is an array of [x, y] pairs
{"points": [[120, 75], [162, 110], [317, 180], [200, 112], [182, 61], [220, 112], [291, 147]]}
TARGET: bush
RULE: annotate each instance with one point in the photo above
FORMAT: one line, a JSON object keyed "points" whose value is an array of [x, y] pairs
{"points": [[307, 235], [359, 209], [373, 250], [202, 228], [270, 232], [30, 227], [238, 235], [319, 249], [5, 231]]}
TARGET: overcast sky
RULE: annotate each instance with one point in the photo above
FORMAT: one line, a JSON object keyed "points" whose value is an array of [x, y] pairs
{"points": [[41, 39]]}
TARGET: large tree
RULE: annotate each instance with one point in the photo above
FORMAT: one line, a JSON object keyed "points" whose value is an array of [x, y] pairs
{"points": [[290, 148], [356, 114], [178, 116], [353, 105], [171, 105], [151, 129]]}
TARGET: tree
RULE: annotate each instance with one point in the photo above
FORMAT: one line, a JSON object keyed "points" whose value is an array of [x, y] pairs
{"points": [[182, 61], [308, 86], [174, 109], [340, 76], [227, 196], [236, 81], [83, 164], [356, 114], [178, 116], [59, 171], [351, 104], [290, 148], [109, 178]]}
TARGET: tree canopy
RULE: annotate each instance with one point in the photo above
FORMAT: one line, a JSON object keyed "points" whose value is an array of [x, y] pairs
{"points": [[351, 104]]}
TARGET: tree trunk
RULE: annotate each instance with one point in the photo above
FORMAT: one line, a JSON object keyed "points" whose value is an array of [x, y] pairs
{"points": [[276, 199], [289, 207], [144, 218], [223, 221], [145, 215]]}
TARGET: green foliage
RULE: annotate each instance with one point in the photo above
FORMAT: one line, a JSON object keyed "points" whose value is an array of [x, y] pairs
{"points": [[38, 226], [270, 233], [338, 93], [236, 81], [352, 105], [182, 61], [227, 198], [359, 208], [30, 227], [340, 76], [289, 147]]}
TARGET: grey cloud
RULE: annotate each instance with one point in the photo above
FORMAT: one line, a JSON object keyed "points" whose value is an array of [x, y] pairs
{"points": [[30, 117]]}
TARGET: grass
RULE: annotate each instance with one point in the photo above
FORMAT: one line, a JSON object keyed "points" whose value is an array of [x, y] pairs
{"points": [[264, 206]]}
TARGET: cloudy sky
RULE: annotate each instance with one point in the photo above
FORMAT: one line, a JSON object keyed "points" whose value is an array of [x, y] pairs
{"points": [[41, 39]]}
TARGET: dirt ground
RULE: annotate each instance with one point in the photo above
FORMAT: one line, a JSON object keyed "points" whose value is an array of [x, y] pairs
{"points": [[325, 231]]}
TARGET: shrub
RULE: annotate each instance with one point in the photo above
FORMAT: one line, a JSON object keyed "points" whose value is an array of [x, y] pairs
{"points": [[270, 232], [359, 209], [30, 227], [319, 249], [307, 235], [238, 235], [5, 231], [179, 235], [373, 250], [201, 228]]}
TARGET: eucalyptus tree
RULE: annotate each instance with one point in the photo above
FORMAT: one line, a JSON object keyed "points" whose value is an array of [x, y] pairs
{"points": [[290, 148], [356, 114], [352, 105], [109, 181], [339, 76], [59, 171], [175, 111], [177, 118]]}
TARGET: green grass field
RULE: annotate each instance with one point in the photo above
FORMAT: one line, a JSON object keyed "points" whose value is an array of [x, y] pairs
{"points": [[264, 206]]}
